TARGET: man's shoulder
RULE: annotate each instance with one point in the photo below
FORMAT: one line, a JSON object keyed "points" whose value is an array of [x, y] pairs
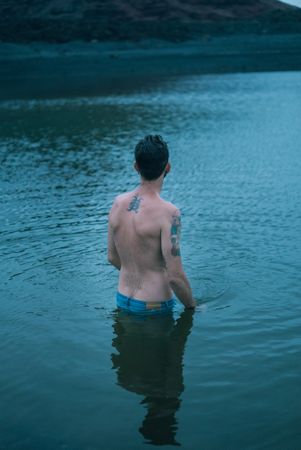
{"points": [[118, 207], [122, 198], [170, 209]]}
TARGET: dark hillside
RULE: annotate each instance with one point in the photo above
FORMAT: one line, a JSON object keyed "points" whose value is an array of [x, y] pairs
{"points": [[103, 20]]}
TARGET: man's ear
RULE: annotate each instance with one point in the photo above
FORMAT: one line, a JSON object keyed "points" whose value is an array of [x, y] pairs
{"points": [[136, 167], [167, 169]]}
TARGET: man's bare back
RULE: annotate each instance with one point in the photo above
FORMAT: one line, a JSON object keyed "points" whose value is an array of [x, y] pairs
{"points": [[144, 244]]}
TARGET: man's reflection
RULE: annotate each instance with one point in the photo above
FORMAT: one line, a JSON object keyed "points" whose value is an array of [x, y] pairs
{"points": [[149, 362]]}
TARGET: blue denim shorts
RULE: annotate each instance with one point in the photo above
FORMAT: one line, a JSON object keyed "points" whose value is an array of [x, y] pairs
{"points": [[141, 307]]}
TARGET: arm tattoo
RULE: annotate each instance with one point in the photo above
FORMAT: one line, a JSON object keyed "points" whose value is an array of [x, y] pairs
{"points": [[175, 232], [134, 204]]}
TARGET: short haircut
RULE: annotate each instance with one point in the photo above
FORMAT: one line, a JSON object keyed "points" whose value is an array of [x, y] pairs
{"points": [[151, 154]]}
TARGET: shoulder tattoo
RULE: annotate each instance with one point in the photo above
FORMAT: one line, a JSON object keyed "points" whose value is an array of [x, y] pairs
{"points": [[135, 204], [175, 233]]}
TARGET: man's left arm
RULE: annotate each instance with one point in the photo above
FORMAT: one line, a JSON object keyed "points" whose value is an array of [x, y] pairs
{"points": [[113, 256]]}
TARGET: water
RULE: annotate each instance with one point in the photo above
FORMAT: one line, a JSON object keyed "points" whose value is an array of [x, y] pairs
{"points": [[74, 373]]}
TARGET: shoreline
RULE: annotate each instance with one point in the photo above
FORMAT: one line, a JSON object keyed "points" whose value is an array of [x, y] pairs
{"points": [[40, 70]]}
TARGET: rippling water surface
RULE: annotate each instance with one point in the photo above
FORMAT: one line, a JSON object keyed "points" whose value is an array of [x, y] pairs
{"points": [[77, 375]]}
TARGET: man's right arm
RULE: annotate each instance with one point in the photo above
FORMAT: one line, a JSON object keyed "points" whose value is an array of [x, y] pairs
{"points": [[113, 256], [170, 245]]}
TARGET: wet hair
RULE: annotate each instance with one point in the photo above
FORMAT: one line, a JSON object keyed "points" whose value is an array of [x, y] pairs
{"points": [[151, 155]]}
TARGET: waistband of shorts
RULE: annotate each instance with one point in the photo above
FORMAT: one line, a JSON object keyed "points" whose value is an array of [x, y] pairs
{"points": [[136, 305]]}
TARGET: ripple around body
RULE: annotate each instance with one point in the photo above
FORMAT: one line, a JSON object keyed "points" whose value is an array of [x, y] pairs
{"points": [[235, 153]]}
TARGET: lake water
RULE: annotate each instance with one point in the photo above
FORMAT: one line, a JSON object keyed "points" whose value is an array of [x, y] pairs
{"points": [[77, 375]]}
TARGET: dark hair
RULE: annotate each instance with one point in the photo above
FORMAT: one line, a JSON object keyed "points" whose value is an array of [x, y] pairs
{"points": [[151, 154]]}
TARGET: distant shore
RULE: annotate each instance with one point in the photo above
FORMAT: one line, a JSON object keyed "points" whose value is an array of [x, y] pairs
{"points": [[41, 70]]}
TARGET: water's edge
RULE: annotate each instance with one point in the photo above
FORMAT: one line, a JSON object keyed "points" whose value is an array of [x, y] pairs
{"points": [[41, 70]]}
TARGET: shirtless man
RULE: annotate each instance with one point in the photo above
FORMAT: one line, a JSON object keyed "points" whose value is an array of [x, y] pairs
{"points": [[144, 238]]}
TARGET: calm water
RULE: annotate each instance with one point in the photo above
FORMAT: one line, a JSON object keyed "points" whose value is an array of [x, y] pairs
{"points": [[77, 375]]}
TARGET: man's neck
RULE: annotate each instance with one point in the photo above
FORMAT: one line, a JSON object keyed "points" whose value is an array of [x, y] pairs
{"points": [[150, 187]]}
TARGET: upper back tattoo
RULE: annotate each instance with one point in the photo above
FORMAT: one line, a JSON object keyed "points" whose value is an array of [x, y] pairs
{"points": [[135, 204], [175, 233]]}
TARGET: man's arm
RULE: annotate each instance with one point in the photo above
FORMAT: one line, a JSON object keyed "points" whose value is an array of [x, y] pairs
{"points": [[113, 256], [170, 245]]}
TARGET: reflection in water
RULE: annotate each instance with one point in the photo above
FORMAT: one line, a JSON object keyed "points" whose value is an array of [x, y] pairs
{"points": [[149, 362]]}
